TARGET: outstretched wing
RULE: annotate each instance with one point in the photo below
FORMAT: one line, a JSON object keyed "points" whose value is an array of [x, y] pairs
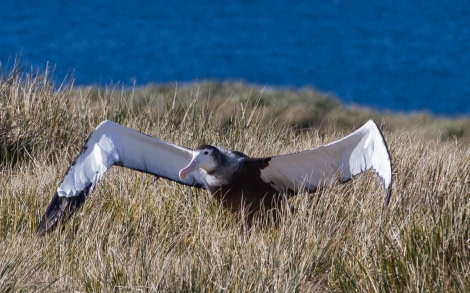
{"points": [[339, 161], [113, 144]]}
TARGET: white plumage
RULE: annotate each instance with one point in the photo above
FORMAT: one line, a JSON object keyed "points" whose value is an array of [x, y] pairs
{"points": [[338, 161]]}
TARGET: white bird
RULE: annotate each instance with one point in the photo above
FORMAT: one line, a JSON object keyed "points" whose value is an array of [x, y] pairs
{"points": [[233, 178]]}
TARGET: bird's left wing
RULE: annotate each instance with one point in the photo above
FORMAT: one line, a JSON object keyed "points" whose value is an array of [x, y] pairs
{"points": [[336, 162], [113, 144]]}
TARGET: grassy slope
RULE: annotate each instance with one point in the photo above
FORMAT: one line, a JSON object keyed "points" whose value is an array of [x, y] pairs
{"points": [[134, 233]]}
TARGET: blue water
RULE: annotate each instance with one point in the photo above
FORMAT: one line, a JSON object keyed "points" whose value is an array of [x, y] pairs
{"points": [[388, 55]]}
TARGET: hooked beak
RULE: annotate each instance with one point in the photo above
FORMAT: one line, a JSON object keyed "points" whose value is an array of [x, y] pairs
{"points": [[191, 167]]}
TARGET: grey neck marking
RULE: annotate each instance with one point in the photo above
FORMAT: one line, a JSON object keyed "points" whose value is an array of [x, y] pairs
{"points": [[228, 164]]}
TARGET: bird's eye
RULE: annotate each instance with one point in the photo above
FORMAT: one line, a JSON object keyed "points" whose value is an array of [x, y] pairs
{"points": [[206, 152]]}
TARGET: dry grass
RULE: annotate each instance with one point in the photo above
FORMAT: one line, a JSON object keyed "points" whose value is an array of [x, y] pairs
{"points": [[135, 234]]}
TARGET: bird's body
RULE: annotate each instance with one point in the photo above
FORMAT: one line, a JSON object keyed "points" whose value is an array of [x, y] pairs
{"points": [[244, 187], [233, 178]]}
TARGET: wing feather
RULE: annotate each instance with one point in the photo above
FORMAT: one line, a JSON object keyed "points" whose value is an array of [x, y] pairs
{"points": [[365, 149], [113, 144]]}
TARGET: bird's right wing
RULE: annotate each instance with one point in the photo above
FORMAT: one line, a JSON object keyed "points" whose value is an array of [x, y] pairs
{"points": [[113, 144]]}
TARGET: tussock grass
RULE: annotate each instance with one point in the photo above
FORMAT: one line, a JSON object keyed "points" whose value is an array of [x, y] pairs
{"points": [[138, 234]]}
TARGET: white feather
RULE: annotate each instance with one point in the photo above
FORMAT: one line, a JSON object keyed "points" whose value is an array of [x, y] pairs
{"points": [[362, 150], [111, 144]]}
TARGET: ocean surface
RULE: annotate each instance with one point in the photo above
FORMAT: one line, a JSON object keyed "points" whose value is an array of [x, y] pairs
{"points": [[387, 55]]}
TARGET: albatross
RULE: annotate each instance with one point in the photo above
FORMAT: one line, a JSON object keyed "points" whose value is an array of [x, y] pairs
{"points": [[233, 178]]}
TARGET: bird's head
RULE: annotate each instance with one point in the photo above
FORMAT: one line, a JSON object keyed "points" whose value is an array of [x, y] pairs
{"points": [[204, 157]]}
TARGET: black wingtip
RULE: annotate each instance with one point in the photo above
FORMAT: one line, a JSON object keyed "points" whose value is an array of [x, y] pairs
{"points": [[388, 194], [54, 213], [59, 210], [387, 189]]}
